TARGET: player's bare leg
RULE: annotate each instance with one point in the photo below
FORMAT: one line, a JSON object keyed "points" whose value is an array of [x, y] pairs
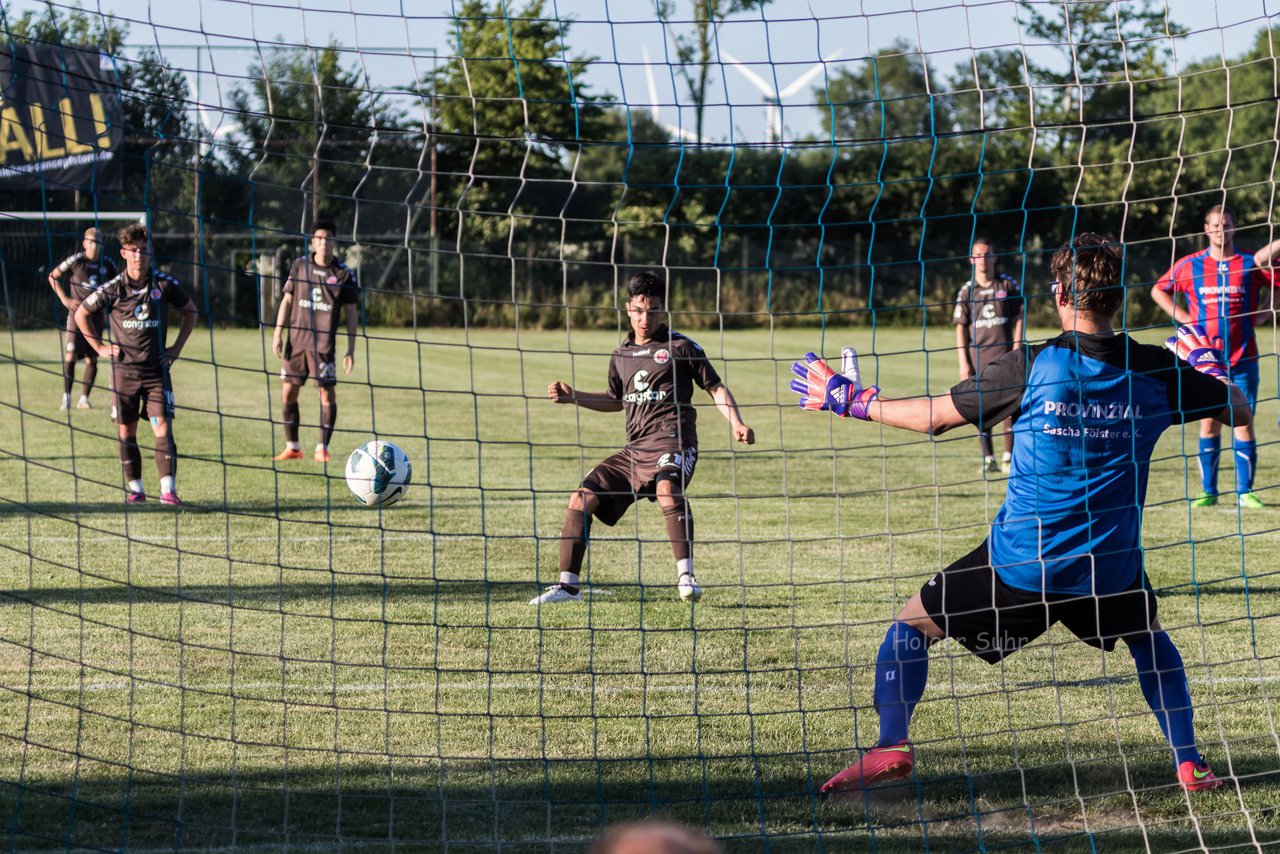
{"points": [[679, 519], [328, 418], [574, 535], [289, 416], [166, 459]]}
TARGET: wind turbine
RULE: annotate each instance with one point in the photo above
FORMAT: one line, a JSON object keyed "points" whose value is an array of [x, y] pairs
{"points": [[773, 100], [214, 128], [655, 111]]}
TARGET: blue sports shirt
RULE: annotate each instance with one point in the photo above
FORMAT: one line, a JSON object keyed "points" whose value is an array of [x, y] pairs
{"points": [[1088, 411]]}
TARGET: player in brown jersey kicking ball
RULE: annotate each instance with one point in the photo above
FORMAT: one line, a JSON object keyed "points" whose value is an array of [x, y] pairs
{"points": [[137, 303], [651, 376], [85, 272], [319, 288]]}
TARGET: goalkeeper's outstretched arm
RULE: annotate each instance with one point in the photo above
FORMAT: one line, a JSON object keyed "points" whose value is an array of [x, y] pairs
{"points": [[843, 394], [932, 415]]}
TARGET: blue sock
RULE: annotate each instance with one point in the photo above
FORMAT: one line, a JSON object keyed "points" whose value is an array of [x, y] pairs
{"points": [[902, 669], [1246, 462], [1210, 451], [1164, 684]]}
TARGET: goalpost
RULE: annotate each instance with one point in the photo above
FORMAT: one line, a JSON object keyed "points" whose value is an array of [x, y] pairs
{"points": [[33, 242], [275, 667]]}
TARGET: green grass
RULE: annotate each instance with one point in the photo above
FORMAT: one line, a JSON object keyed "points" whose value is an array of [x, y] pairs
{"points": [[274, 667]]}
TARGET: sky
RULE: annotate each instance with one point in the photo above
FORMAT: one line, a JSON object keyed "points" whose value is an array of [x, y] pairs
{"points": [[398, 41]]}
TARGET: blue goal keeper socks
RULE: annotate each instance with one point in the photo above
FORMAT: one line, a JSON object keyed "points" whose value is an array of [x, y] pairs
{"points": [[1210, 451], [1164, 684], [902, 669], [1246, 462]]}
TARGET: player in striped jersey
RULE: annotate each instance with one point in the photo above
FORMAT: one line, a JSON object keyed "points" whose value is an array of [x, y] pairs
{"points": [[1223, 292]]}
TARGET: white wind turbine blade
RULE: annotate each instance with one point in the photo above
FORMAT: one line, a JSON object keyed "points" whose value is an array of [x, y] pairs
{"points": [[803, 80], [756, 80], [655, 109], [653, 86], [686, 135], [215, 129]]}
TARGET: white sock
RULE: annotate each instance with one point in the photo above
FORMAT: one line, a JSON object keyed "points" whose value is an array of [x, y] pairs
{"points": [[1006, 456], [136, 486], [684, 566], [569, 578], [166, 484], [293, 446], [84, 398], [321, 446]]}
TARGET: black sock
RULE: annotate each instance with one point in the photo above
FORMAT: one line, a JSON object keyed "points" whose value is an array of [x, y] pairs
{"points": [[328, 417], [68, 375], [90, 376], [131, 459], [573, 542], [679, 529], [166, 456], [290, 417]]}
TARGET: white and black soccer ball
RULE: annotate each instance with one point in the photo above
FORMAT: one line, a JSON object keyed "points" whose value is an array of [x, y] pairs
{"points": [[378, 473]]}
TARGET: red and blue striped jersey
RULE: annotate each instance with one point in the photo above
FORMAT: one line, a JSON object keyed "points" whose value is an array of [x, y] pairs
{"points": [[1222, 296]]}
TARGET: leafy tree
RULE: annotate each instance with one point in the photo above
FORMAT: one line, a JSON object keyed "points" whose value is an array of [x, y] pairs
{"points": [[890, 96], [697, 50], [511, 114], [1102, 49], [1216, 133], [312, 132]]}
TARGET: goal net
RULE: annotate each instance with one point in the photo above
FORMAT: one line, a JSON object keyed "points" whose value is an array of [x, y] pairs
{"points": [[274, 666]]}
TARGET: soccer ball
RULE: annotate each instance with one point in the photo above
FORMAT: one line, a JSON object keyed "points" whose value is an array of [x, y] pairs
{"points": [[378, 473]]}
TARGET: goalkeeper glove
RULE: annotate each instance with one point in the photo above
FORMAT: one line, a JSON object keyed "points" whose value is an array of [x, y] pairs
{"points": [[820, 387], [1194, 346]]}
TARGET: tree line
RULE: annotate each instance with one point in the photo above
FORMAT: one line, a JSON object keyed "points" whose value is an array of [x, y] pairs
{"points": [[502, 186]]}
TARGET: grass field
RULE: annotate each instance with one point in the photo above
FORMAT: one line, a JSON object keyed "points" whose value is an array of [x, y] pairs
{"points": [[274, 668]]}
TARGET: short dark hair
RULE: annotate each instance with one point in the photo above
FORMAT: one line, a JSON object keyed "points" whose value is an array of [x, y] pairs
{"points": [[985, 241], [647, 284], [134, 232], [659, 836], [324, 225], [1089, 269], [1224, 210]]}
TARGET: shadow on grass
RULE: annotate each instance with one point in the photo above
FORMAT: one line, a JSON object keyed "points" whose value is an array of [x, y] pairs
{"points": [[1214, 588], [327, 587], [68, 510], [321, 802]]}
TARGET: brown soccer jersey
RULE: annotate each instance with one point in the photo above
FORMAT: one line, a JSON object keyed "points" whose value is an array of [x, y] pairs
{"points": [[989, 313], [85, 277], [655, 383], [138, 316], [318, 294]]}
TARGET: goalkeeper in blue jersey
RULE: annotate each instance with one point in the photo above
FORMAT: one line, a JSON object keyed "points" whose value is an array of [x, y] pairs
{"points": [[1088, 407]]}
